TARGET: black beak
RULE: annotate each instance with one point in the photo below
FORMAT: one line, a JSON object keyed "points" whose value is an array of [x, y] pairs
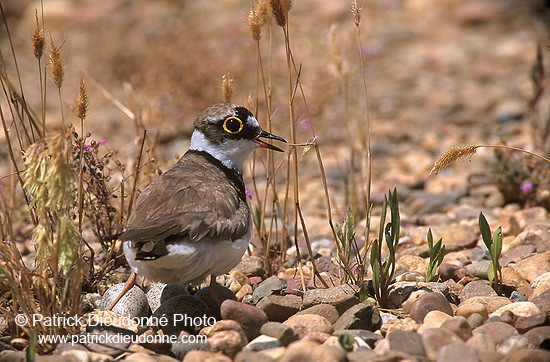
{"points": [[264, 134]]}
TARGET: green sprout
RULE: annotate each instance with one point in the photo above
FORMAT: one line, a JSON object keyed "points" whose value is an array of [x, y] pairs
{"points": [[494, 245], [436, 253], [383, 271]]}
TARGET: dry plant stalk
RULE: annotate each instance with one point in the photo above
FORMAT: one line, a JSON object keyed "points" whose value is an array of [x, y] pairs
{"points": [[280, 9], [38, 41], [82, 100]]}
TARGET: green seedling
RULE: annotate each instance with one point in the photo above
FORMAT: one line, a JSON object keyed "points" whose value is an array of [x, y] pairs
{"points": [[436, 253], [383, 271], [494, 245]]}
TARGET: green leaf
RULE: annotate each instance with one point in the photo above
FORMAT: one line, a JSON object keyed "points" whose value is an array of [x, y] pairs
{"points": [[485, 231], [346, 342]]}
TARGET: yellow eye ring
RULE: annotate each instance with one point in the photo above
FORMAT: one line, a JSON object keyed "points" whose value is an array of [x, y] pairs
{"points": [[230, 126]]}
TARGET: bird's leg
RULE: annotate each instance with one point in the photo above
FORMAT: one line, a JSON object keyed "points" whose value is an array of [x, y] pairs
{"points": [[129, 285], [213, 291]]}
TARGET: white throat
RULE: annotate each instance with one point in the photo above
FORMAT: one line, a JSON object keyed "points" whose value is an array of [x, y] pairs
{"points": [[231, 153]]}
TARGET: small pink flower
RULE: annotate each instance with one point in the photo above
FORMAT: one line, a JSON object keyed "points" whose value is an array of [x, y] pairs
{"points": [[526, 186], [248, 193]]}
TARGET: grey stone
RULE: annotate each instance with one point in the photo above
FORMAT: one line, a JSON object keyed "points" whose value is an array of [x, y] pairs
{"points": [[361, 316], [285, 334], [457, 352], [459, 326], [262, 342], [434, 339], [267, 287], [252, 266], [479, 269], [306, 323], [539, 337], [250, 356], [407, 342], [341, 297], [279, 308]]}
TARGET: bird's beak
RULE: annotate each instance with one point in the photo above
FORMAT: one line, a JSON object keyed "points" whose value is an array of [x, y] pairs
{"points": [[264, 134]]}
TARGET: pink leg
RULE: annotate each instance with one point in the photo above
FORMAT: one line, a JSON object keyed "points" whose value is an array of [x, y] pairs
{"points": [[129, 285]]}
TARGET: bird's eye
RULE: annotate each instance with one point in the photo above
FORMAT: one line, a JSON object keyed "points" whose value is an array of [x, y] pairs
{"points": [[233, 125]]}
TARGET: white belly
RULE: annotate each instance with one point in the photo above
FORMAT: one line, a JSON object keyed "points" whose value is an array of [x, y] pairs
{"points": [[190, 262]]}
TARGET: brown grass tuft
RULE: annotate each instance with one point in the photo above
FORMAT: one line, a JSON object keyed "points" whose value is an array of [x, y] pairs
{"points": [[256, 20], [451, 156], [56, 65]]}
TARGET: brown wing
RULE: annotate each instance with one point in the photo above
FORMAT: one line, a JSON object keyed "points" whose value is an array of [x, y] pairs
{"points": [[178, 204]]}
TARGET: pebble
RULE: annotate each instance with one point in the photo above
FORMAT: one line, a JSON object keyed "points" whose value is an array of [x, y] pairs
{"points": [[414, 263], [530, 355], [189, 306], [519, 309], [246, 356], [407, 342], [133, 304], [325, 310], [434, 339], [252, 266], [361, 316], [475, 320], [267, 287], [479, 269], [306, 323], [459, 326], [452, 271], [279, 308], [457, 352], [498, 331], [284, 333], [306, 351], [160, 293], [262, 342], [476, 288], [369, 337], [434, 319], [539, 336], [467, 309], [227, 337], [427, 303], [342, 297], [250, 318], [543, 302], [530, 268], [513, 343], [491, 303], [200, 356]]}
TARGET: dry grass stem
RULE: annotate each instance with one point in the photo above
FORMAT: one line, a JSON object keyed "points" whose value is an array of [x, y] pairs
{"points": [[255, 22]]}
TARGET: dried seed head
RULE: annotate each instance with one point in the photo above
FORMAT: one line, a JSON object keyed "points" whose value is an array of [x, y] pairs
{"points": [[280, 9], [249, 103], [82, 101], [58, 70], [227, 87], [356, 12], [38, 41], [255, 22], [451, 156]]}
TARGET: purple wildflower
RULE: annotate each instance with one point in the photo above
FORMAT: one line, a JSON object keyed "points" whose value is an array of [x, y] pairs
{"points": [[526, 186]]}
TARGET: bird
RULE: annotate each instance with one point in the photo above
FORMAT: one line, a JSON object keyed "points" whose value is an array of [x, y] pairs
{"points": [[194, 221]]}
